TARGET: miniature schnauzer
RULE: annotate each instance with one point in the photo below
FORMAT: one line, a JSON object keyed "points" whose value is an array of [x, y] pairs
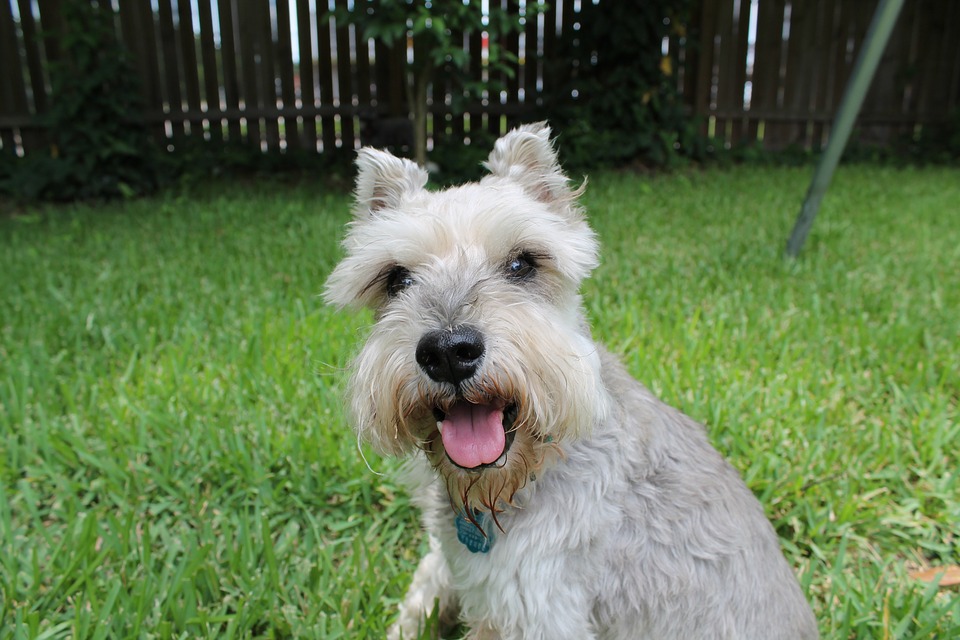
{"points": [[562, 499]]}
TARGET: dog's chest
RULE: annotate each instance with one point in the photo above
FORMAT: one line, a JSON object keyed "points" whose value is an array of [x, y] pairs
{"points": [[544, 547], [499, 577]]}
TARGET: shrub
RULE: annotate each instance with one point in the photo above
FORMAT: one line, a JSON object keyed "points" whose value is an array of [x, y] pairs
{"points": [[98, 148], [628, 107]]}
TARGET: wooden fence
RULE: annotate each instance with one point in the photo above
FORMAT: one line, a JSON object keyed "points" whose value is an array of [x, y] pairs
{"points": [[279, 75], [775, 70]]}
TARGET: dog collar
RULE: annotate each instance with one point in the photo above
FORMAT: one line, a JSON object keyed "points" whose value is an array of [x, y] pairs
{"points": [[477, 536]]}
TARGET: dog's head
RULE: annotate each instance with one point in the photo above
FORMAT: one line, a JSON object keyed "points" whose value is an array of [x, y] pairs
{"points": [[480, 355]]}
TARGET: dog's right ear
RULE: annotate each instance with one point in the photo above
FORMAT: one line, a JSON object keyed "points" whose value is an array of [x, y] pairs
{"points": [[383, 180], [527, 156]]}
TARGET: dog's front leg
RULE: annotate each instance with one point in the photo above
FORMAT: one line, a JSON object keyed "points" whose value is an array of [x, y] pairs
{"points": [[549, 614], [431, 584], [483, 631]]}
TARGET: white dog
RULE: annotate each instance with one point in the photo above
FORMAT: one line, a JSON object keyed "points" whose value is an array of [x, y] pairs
{"points": [[562, 499]]}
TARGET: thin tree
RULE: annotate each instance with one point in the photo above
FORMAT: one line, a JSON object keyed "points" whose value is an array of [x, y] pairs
{"points": [[429, 27]]}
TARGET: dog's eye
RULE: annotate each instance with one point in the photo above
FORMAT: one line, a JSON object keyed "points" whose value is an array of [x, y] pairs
{"points": [[521, 267], [398, 279]]}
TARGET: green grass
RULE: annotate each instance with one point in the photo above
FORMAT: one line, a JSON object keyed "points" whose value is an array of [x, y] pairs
{"points": [[174, 457]]}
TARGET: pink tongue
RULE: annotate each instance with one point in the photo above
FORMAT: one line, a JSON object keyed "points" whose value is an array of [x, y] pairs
{"points": [[473, 434]]}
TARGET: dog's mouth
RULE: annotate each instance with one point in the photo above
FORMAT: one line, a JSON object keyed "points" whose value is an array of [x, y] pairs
{"points": [[477, 436]]}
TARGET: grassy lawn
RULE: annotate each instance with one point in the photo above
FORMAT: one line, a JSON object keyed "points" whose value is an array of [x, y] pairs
{"points": [[174, 456]]}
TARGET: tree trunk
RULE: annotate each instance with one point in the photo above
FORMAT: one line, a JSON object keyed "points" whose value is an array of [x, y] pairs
{"points": [[418, 106]]}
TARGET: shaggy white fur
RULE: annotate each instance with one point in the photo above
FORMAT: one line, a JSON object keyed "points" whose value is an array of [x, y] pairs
{"points": [[606, 514]]}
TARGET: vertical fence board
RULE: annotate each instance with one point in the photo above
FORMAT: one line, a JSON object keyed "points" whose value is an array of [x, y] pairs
{"points": [[288, 94], [883, 111], [953, 77], [134, 44], [939, 100], [363, 71], [822, 105], [247, 21], [702, 60], [931, 62], [391, 80], [881, 81], [325, 58], [190, 69], [729, 96], [305, 74], [171, 74], [833, 84], [475, 109], [34, 138], [953, 70], [766, 70], [497, 82], [211, 87], [689, 54], [862, 15], [911, 28], [564, 34], [531, 60], [31, 44], [550, 44], [740, 130], [399, 82], [229, 56], [145, 24], [512, 81], [345, 83], [878, 110], [801, 67], [51, 26], [456, 98], [13, 98], [439, 105], [267, 76], [474, 114]]}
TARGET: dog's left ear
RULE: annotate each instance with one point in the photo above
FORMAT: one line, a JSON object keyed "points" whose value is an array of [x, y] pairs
{"points": [[526, 155]]}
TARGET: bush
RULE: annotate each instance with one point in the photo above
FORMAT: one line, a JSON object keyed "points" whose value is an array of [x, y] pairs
{"points": [[628, 108], [98, 148], [457, 162], [938, 142], [194, 162]]}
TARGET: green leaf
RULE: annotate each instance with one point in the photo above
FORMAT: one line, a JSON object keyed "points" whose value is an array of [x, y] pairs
{"points": [[459, 58], [420, 24]]}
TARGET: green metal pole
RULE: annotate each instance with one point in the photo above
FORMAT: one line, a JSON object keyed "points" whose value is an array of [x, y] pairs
{"points": [[876, 40]]}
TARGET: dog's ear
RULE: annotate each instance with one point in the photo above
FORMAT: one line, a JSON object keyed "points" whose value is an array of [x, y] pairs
{"points": [[383, 180], [526, 155]]}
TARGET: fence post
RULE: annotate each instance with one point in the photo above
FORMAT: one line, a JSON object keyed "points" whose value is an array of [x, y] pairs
{"points": [[882, 24]]}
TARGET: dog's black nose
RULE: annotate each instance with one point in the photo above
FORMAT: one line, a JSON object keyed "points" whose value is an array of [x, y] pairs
{"points": [[450, 356]]}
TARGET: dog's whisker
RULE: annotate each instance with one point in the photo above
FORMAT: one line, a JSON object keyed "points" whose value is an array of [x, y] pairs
{"points": [[363, 457]]}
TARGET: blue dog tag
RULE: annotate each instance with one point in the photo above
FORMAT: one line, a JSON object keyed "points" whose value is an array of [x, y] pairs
{"points": [[474, 539]]}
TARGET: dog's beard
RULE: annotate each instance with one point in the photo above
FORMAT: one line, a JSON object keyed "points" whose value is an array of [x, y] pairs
{"points": [[505, 452], [492, 486]]}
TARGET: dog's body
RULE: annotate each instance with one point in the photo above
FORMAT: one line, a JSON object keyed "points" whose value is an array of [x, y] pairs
{"points": [[562, 499]]}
